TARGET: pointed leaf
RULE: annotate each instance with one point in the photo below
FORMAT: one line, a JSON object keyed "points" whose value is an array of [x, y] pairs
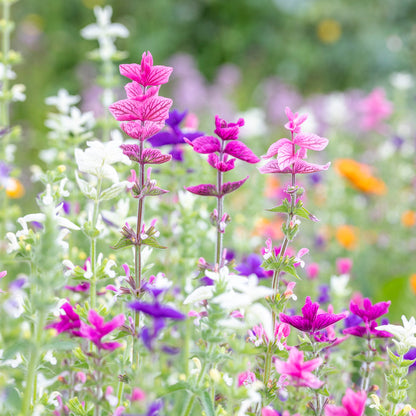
{"points": [[206, 403], [154, 156], [240, 151], [229, 187], [206, 144], [152, 242], [304, 213], [310, 141], [205, 189], [113, 191], [122, 243], [88, 190]]}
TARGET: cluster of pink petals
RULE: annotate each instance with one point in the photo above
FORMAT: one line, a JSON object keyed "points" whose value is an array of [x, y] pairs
{"points": [[375, 108], [144, 112], [290, 160], [353, 404], [245, 378], [300, 371], [70, 322]]}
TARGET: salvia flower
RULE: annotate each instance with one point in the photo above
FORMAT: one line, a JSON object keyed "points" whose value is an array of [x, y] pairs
{"points": [[69, 320], [405, 335], [369, 313], [144, 112], [311, 320], [353, 404], [290, 160], [300, 371]]}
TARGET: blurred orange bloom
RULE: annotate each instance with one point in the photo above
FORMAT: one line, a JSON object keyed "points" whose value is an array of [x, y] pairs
{"points": [[14, 188], [409, 218], [359, 175], [272, 186], [413, 282], [346, 235], [267, 228]]}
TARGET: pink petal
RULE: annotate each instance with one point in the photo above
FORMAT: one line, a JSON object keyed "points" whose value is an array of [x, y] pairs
{"points": [[304, 167], [157, 75], [331, 410], [154, 156], [155, 109], [286, 155], [142, 132], [241, 151], [273, 167], [274, 148], [203, 189], [229, 187], [206, 144], [125, 110], [95, 319], [135, 91], [310, 141], [354, 403]]}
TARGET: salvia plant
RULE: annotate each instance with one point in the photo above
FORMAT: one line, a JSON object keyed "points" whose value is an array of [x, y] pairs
{"points": [[124, 298]]}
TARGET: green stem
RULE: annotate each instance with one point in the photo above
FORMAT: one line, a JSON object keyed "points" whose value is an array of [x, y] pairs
{"points": [[220, 208], [4, 113], [30, 389]]}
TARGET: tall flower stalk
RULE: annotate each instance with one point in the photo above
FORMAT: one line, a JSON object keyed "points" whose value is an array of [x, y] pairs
{"points": [[142, 114], [290, 155]]}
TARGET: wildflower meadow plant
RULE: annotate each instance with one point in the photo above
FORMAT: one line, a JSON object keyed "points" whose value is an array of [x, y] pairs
{"points": [[117, 302]]}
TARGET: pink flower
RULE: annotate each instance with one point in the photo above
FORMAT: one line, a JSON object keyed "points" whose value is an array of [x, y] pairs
{"points": [[268, 411], [375, 108], [312, 271], [353, 404], [290, 160], [136, 395], [300, 371], [245, 378], [344, 265]]}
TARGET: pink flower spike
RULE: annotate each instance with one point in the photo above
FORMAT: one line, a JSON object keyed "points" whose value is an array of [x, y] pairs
{"points": [[227, 131], [294, 120], [353, 404], [146, 74], [300, 371]]}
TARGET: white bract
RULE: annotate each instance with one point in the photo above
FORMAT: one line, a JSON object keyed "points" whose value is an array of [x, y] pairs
{"points": [[63, 101], [405, 334], [98, 158]]}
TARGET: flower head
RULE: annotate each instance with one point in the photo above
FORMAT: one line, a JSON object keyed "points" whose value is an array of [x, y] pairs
{"points": [[300, 371], [353, 404], [405, 335], [311, 320]]}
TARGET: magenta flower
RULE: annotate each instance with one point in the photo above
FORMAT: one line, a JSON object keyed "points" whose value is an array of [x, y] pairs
{"points": [[144, 112], [100, 329], [290, 160], [245, 378], [311, 320], [353, 404], [300, 371], [2, 274], [69, 321]]}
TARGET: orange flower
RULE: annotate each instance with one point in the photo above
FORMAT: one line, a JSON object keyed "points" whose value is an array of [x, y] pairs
{"points": [[413, 282], [409, 218], [272, 186], [346, 235], [359, 175], [14, 188], [266, 228]]}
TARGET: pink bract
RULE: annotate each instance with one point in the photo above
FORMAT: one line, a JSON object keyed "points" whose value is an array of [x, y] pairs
{"points": [[353, 404]]}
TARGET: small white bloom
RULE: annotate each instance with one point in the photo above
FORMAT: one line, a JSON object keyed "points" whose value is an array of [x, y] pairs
{"points": [[13, 244], [50, 358], [107, 269], [402, 80], [199, 294], [227, 380], [6, 72], [14, 363], [63, 101], [339, 285], [255, 123], [405, 334], [18, 92]]}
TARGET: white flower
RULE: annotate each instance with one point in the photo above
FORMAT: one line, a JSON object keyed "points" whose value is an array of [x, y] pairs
{"points": [[13, 244], [199, 294], [63, 101], [18, 92], [14, 363], [98, 158], [339, 285], [254, 123], [49, 357], [14, 304], [402, 80], [405, 334], [107, 269], [6, 72]]}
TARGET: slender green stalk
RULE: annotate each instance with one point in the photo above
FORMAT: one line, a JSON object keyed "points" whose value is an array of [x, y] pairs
{"points": [[30, 393], [220, 208], [367, 366], [4, 113]]}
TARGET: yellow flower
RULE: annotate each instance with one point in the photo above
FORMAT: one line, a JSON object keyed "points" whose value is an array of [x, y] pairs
{"points": [[359, 175], [329, 30], [409, 218], [346, 235]]}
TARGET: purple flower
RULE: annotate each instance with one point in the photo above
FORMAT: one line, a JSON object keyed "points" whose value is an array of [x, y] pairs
{"points": [[156, 310], [82, 287], [367, 331], [312, 321], [411, 355], [323, 294], [251, 265]]}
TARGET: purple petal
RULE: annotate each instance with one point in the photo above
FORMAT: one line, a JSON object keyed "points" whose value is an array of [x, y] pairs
{"points": [[205, 189], [324, 320], [309, 310], [206, 144], [296, 321], [229, 187]]}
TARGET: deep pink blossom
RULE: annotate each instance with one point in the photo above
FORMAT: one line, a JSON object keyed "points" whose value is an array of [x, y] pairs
{"points": [[268, 411], [300, 371], [69, 321], [375, 109], [353, 404], [311, 320], [344, 265], [227, 131], [245, 378], [100, 329], [146, 73]]}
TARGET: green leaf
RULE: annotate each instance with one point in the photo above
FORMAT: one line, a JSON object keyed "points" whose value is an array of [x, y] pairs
{"points": [[291, 270], [88, 190], [304, 213], [113, 191], [281, 208], [207, 404], [20, 346], [152, 242], [122, 243], [59, 344], [180, 385]]}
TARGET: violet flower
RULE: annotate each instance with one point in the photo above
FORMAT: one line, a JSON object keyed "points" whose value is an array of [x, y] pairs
{"points": [[156, 310], [174, 134], [252, 265], [368, 314], [311, 320]]}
